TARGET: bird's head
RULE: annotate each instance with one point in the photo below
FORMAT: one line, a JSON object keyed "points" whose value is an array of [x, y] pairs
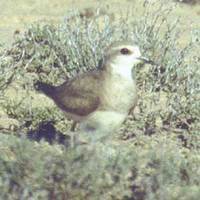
{"points": [[123, 56], [124, 53]]}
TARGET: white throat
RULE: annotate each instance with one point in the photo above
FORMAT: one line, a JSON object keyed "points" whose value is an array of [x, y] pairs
{"points": [[122, 70]]}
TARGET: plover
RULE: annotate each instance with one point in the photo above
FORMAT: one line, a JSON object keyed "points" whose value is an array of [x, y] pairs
{"points": [[100, 100]]}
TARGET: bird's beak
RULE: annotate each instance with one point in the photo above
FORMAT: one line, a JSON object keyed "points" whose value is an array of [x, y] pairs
{"points": [[146, 60]]}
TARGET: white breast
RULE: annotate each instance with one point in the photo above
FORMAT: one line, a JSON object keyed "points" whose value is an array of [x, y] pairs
{"points": [[120, 93]]}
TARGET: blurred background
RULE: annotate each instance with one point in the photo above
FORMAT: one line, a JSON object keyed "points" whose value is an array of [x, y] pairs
{"points": [[16, 15]]}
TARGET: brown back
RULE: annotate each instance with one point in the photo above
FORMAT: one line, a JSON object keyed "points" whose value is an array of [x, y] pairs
{"points": [[80, 95]]}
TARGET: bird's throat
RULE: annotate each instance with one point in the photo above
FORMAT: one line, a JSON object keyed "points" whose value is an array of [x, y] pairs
{"points": [[124, 72]]}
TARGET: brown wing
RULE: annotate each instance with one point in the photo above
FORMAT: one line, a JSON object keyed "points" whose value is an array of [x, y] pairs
{"points": [[80, 95]]}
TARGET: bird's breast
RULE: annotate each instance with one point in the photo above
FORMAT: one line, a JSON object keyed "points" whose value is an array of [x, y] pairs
{"points": [[120, 95]]}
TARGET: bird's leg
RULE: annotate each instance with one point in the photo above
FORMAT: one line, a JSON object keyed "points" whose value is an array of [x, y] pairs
{"points": [[73, 127], [76, 136], [131, 112], [73, 134]]}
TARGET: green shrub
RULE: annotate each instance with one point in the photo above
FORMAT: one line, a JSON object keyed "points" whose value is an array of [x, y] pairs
{"points": [[159, 169]]}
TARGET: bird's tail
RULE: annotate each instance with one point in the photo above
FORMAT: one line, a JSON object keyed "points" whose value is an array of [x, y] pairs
{"points": [[47, 89]]}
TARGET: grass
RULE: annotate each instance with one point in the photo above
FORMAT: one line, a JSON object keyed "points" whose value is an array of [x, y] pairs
{"points": [[155, 155]]}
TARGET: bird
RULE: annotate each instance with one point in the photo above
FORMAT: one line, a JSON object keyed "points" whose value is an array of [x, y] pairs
{"points": [[101, 99]]}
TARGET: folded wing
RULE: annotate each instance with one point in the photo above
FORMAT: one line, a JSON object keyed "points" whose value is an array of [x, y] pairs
{"points": [[80, 95]]}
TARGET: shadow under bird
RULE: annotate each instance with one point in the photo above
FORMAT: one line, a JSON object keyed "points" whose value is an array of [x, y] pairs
{"points": [[100, 100]]}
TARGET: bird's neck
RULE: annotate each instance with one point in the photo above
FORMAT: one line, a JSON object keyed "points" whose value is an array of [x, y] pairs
{"points": [[122, 70]]}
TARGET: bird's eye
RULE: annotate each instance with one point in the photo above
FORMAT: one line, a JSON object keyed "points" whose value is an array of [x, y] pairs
{"points": [[125, 51]]}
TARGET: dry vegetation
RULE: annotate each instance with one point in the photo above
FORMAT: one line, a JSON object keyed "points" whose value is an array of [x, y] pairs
{"points": [[155, 155]]}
